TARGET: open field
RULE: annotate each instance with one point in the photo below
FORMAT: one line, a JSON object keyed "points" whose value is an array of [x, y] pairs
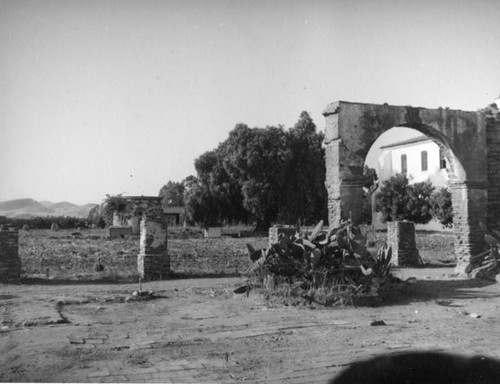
{"points": [[60, 256]]}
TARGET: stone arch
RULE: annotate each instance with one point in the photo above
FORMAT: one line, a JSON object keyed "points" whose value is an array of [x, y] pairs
{"points": [[352, 128]]}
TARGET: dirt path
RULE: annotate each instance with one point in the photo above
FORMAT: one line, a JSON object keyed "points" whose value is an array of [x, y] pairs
{"points": [[199, 331]]}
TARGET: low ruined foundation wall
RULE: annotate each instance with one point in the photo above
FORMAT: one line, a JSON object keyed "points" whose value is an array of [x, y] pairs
{"points": [[10, 262], [113, 232]]}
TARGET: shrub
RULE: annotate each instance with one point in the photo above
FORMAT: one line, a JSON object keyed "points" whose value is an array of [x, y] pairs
{"points": [[400, 200], [441, 207]]}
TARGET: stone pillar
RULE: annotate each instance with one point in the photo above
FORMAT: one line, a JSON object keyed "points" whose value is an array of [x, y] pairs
{"points": [[492, 114], [332, 182], [470, 201], [10, 263], [344, 172], [153, 261], [401, 238], [345, 190], [351, 200]]}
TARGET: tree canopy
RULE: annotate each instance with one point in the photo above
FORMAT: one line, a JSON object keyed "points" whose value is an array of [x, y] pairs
{"points": [[172, 194], [400, 200], [260, 175]]}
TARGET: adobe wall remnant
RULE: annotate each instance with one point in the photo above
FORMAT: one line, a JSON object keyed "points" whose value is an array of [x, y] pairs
{"points": [[132, 215], [470, 142], [401, 238], [10, 262]]}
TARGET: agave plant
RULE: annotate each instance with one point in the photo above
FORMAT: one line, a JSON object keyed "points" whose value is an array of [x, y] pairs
{"points": [[485, 264]]}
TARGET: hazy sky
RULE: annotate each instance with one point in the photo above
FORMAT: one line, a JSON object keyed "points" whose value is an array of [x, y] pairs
{"points": [[102, 97]]}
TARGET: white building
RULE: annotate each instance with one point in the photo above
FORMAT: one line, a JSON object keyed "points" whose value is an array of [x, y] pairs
{"points": [[421, 159]]}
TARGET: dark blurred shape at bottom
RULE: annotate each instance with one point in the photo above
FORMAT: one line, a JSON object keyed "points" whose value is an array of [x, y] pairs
{"points": [[421, 368]]}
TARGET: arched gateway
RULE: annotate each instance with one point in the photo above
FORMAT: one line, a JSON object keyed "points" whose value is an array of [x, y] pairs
{"points": [[471, 145]]}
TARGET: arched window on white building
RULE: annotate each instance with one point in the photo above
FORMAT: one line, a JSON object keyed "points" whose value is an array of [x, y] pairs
{"points": [[423, 160], [442, 159]]}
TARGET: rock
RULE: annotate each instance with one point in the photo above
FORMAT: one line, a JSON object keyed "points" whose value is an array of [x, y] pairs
{"points": [[377, 323]]}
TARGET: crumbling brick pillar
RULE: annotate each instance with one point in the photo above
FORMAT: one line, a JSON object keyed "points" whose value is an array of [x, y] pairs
{"points": [[492, 114], [401, 238], [345, 191], [10, 262], [344, 172], [153, 261], [470, 201], [332, 181]]}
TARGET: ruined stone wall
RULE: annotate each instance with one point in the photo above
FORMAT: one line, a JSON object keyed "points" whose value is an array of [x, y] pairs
{"points": [[136, 208], [10, 262], [401, 238], [493, 168]]}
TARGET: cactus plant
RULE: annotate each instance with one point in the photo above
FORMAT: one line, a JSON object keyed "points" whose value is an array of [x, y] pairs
{"points": [[336, 262]]}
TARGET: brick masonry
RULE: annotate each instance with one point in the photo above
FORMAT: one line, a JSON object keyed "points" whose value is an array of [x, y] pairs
{"points": [[470, 201], [472, 141], [401, 238], [492, 121], [10, 262]]}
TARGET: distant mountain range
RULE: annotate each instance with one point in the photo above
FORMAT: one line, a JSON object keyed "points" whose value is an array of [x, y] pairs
{"points": [[27, 208]]}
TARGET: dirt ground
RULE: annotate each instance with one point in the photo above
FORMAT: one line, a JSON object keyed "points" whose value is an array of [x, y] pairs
{"points": [[198, 330]]}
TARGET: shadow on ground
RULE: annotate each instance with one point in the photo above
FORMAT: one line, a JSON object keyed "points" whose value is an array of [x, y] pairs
{"points": [[127, 280], [443, 291]]}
